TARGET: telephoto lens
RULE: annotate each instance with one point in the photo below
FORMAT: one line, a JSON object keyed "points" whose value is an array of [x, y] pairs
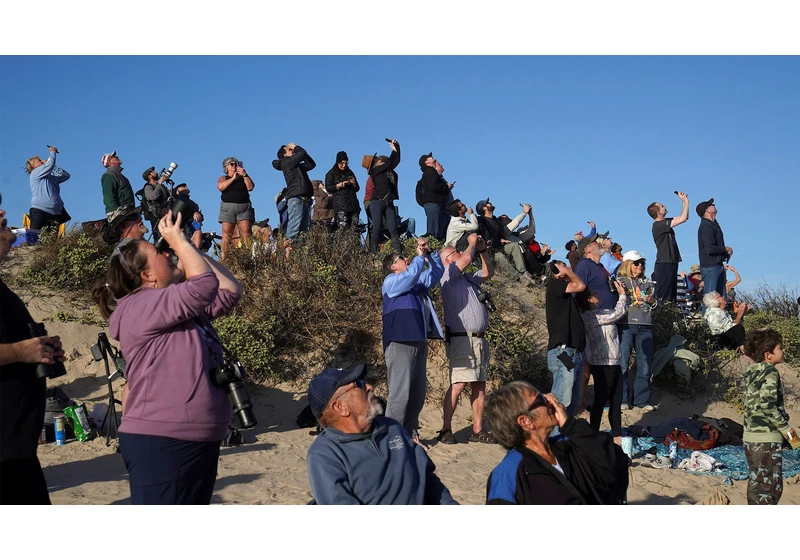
{"points": [[49, 371], [241, 405]]}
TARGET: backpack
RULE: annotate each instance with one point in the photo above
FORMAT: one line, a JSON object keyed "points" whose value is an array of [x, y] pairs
{"points": [[147, 210], [420, 192]]}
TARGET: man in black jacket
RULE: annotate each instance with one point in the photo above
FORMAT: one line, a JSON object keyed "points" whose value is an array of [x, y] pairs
{"points": [[584, 467], [434, 193], [22, 394], [295, 163], [711, 248]]}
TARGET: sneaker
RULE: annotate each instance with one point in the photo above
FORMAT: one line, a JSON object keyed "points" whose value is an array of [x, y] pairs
{"points": [[647, 408], [625, 407], [446, 436]]}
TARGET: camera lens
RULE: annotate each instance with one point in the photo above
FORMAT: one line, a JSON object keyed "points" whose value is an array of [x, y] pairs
{"points": [[241, 405]]}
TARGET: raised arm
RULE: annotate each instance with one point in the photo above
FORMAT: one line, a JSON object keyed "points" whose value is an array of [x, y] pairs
{"points": [[735, 281], [684, 210]]}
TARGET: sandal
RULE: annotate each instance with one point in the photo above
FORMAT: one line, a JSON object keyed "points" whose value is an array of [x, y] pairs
{"points": [[483, 437], [446, 436]]}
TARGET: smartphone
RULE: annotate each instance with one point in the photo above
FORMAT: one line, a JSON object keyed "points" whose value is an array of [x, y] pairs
{"points": [[239, 164], [566, 360], [676, 192]]}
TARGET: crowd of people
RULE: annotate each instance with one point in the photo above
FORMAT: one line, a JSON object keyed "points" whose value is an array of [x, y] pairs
{"points": [[160, 299]]}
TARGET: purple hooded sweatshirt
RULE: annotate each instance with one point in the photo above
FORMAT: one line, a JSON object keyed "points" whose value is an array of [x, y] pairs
{"points": [[170, 392]]}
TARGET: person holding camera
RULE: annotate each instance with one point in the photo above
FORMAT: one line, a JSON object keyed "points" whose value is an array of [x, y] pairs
{"points": [[156, 197], [409, 320], [236, 209], [466, 319], [434, 192], [176, 413], [342, 183], [381, 170], [668, 256], [460, 226], [295, 163], [22, 393], [594, 274], [47, 208], [566, 335]]}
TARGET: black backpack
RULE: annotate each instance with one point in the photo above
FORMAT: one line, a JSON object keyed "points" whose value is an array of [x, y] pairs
{"points": [[420, 192]]}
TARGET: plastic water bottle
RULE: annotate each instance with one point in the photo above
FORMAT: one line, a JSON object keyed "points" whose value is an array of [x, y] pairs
{"points": [[673, 454]]}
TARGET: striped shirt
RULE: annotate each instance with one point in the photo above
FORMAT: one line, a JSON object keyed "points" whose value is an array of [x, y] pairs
{"points": [[462, 310]]}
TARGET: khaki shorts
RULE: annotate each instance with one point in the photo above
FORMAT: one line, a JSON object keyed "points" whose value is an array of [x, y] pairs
{"points": [[469, 359]]}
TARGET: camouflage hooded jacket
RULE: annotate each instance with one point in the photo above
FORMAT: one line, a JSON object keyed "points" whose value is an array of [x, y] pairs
{"points": [[765, 418]]}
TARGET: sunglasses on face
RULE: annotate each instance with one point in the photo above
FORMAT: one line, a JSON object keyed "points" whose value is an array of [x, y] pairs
{"points": [[539, 401], [640, 262]]}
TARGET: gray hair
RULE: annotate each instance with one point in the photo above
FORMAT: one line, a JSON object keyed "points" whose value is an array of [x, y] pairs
{"points": [[710, 299], [503, 407]]}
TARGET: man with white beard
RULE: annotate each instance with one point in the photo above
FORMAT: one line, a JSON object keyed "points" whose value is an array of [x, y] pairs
{"points": [[362, 457]]}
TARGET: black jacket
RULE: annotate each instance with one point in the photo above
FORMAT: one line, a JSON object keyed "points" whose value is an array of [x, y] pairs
{"points": [[710, 243], [344, 199], [295, 171], [595, 471], [434, 187], [384, 178]]}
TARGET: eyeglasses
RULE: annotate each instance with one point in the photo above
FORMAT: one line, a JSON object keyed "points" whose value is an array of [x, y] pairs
{"points": [[539, 401], [640, 262], [119, 254], [359, 384], [451, 253]]}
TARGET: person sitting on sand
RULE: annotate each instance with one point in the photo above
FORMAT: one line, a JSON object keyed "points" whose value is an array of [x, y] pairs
{"points": [[729, 332], [584, 467], [362, 457]]}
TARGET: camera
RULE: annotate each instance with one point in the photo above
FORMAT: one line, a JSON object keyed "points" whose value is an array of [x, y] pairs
{"points": [[49, 371], [550, 269], [231, 378], [486, 299], [168, 172], [181, 207]]}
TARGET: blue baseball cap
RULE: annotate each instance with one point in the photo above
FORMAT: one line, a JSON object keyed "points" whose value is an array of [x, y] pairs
{"points": [[324, 385]]}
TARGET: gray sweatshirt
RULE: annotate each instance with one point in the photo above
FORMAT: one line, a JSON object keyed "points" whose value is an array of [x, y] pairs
{"points": [[383, 466]]}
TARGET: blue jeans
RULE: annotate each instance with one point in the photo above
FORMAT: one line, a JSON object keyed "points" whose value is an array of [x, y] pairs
{"points": [[642, 336], [298, 217], [566, 382], [714, 280], [437, 220]]}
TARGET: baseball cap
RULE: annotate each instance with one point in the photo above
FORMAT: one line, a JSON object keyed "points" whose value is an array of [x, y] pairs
{"points": [[583, 243], [324, 385], [703, 206], [107, 157], [481, 205], [262, 223], [632, 256], [147, 172], [603, 235], [422, 159]]}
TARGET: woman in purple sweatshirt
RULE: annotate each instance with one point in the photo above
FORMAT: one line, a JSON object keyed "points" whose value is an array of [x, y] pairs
{"points": [[174, 416]]}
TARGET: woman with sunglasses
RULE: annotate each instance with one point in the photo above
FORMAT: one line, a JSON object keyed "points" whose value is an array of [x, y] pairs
{"points": [[636, 328], [235, 210], [175, 416], [584, 467]]}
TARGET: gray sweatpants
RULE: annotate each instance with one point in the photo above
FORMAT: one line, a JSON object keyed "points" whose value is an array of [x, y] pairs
{"points": [[405, 364]]}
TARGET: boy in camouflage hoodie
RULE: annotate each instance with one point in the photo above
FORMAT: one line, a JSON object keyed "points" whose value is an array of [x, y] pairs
{"points": [[766, 423]]}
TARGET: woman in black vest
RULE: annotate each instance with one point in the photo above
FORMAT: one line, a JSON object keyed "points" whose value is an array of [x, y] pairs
{"points": [[235, 209], [384, 177], [342, 183]]}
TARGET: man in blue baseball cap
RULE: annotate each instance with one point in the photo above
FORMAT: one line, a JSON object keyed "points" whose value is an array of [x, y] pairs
{"points": [[362, 457]]}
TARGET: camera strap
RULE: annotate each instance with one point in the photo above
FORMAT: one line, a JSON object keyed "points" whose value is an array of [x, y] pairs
{"points": [[212, 334]]}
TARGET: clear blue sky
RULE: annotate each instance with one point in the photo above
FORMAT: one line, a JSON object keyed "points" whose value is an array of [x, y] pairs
{"points": [[580, 138]]}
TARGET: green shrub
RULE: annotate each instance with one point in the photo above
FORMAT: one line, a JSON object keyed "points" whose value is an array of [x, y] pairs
{"points": [[788, 327], [73, 264], [253, 343]]}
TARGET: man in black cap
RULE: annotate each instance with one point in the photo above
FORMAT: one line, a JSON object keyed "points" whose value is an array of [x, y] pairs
{"points": [[711, 248], [362, 457], [665, 272], [22, 393], [433, 191], [156, 196]]}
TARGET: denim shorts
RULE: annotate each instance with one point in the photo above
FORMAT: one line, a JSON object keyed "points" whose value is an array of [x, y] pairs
{"points": [[233, 212]]}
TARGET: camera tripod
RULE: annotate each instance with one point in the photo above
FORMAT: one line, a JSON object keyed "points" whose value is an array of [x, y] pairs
{"points": [[101, 351]]}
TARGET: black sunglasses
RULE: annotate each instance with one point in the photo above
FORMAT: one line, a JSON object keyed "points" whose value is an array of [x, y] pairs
{"points": [[538, 402], [640, 262]]}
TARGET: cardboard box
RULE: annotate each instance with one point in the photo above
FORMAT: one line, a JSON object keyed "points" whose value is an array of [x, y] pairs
{"points": [[25, 237]]}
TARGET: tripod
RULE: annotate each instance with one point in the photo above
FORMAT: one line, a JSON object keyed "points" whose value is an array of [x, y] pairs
{"points": [[101, 351]]}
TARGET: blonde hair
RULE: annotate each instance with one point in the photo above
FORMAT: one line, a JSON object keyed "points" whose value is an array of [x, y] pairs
{"points": [[29, 164]]}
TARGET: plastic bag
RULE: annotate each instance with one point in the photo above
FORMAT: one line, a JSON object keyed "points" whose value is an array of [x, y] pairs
{"points": [[78, 419]]}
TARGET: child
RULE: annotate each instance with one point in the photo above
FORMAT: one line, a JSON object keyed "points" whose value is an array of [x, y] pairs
{"points": [[602, 354], [765, 419]]}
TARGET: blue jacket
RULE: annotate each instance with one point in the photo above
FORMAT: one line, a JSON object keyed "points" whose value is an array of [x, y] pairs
{"points": [[382, 466], [45, 189], [408, 313]]}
